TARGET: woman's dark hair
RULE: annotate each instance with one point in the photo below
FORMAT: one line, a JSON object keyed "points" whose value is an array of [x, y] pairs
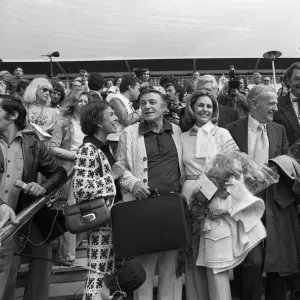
{"points": [[58, 88], [11, 106], [189, 109], [128, 80], [22, 85], [116, 79], [92, 116]]}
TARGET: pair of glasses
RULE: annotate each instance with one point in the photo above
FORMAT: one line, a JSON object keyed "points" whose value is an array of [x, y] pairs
{"points": [[45, 90]]}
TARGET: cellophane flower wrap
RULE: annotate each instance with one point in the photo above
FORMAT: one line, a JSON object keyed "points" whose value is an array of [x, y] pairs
{"points": [[225, 170]]}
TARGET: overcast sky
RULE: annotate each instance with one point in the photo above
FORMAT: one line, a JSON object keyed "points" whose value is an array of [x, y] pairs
{"points": [[124, 29]]}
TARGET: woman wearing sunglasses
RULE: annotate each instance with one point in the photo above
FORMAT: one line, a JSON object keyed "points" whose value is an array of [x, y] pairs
{"points": [[37, 102]]}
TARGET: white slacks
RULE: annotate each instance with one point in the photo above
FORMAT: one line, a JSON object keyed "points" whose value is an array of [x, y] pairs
{"points": [[169, 287]]}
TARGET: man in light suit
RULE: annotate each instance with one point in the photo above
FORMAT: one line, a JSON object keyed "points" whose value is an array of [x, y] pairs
{"points": [[147, 150], [288, 105], [274, 258]]}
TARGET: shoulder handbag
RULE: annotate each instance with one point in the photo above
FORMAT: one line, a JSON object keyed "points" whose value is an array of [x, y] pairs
{"points": [[86, 215]]}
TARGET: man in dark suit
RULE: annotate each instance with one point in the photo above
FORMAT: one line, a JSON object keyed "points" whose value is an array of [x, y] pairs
{"points": [[288, 105], [262, 140], [226, 114]]}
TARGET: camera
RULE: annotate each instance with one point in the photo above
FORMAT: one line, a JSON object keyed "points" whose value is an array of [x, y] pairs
{"points": [[233, 81]]}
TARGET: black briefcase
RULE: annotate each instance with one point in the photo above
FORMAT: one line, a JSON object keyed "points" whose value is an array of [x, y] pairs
{"points": [[155, 224]]}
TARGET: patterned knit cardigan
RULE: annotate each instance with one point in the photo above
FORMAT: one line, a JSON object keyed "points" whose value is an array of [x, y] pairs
{"points": [[92, 177], [133, 155]]}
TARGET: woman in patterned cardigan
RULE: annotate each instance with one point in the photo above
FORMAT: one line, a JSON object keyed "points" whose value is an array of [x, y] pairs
{"points": [[94, 178]]}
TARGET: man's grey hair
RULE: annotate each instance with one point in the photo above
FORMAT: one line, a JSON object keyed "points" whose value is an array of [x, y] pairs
{"points": [[257, 91], [258, 74], [207, 79]]}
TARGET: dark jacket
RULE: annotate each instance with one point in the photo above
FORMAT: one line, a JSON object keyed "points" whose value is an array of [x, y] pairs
{"points": [[36, 159], [282, 220], [227, 115], [287, 117]]}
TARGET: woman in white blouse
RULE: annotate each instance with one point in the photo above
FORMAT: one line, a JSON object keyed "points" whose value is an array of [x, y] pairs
{"points": [[200, 143], [66, 139]]}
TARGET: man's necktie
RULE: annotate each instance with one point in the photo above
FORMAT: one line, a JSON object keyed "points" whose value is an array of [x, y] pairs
{"points": [[261, 154], [297, 100]]}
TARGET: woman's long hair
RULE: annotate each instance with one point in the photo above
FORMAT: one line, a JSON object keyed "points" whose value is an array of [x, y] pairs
{"points": [[71, 101]]}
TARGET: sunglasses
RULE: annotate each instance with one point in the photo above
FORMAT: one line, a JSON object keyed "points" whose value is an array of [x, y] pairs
{"points": [[45, 90]]}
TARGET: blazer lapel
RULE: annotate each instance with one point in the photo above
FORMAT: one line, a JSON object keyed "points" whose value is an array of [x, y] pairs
{"points": [[289, 112], [273, 139], [241, 135]]}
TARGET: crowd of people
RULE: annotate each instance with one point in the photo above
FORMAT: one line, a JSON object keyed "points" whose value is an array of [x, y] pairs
{"points": [[124, 137]]}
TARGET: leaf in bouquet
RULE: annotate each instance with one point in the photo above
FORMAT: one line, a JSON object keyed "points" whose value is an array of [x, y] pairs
{"points": [[234, 164]]}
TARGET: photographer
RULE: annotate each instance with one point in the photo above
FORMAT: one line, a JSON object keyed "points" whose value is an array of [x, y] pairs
{"points": [[233, 96]]}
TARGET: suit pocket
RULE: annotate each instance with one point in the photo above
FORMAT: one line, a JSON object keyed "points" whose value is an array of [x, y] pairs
{"points": [[218, 245]]}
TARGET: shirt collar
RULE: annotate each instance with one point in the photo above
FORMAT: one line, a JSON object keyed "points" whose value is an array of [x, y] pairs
{"points": [[292, 97], [253, 123], [144, 128], [206, 127], [18, 135]]}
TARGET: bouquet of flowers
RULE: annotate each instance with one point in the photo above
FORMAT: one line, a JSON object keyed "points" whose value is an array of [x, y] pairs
{"points": [[231, 172]]}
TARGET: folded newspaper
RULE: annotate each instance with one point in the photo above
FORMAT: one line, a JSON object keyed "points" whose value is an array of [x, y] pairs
{"points": [[43, 135]]}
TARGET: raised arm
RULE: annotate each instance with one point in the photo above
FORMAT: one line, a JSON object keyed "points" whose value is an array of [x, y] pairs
{"points": [[125, 118]]}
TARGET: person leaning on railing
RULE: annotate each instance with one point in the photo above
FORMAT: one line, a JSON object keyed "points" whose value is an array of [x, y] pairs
{"points": [[22, 157]]}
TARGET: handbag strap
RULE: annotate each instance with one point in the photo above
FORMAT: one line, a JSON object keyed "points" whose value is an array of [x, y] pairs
{"points": [[100, 166]]}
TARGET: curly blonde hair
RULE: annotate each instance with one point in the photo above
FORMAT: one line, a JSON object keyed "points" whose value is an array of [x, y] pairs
{"points": [[31, 90]]}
